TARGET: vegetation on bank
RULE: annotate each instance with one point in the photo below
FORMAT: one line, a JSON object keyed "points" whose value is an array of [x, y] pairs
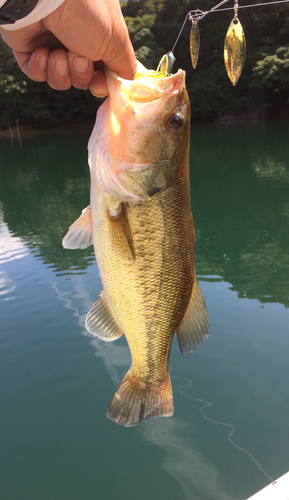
{"points": [[36, 103], [263, 89]]}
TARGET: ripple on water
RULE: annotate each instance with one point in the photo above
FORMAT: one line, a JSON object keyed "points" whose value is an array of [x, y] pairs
{"points": [[11, 248]]}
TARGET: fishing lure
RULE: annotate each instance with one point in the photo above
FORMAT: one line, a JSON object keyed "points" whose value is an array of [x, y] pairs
{"points": [[195, 43], [235, 42], [235, 48]]}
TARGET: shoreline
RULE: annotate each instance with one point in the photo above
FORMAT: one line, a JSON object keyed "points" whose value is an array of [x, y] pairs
{"points": [[24, 130]]}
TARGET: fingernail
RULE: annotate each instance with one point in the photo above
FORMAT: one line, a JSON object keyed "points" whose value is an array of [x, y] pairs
{"points": [[61, 67], [99, 96], [42, 62], [80, 64]]}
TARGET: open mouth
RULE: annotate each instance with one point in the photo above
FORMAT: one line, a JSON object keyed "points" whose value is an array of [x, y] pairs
{"points": [[149, 85]]}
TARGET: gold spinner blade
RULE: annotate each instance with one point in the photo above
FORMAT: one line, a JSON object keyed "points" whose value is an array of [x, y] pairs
{"points": [[195, 44], [235, 50]]}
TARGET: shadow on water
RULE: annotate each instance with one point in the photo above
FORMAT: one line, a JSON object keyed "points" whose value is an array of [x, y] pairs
{"points": [[240, 202]]}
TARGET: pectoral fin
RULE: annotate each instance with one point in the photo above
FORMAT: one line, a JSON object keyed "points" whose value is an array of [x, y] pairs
{"points": [[194, 328], [121, 227], [100, 322], [80, 232]]}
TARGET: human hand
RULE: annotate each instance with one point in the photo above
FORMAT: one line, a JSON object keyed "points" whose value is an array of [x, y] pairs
{"points": [[70, 46]]}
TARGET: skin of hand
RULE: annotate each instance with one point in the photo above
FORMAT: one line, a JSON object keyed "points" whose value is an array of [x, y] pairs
{"points": [[70, 46]]}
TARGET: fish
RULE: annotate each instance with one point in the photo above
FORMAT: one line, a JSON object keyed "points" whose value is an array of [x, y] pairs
{"points": [[141, 225]]}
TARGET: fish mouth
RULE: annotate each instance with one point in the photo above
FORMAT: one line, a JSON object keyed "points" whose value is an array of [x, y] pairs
{"points": [[147, 86]]}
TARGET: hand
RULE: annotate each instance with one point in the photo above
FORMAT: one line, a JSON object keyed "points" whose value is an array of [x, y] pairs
{"points": [[70, 46]]}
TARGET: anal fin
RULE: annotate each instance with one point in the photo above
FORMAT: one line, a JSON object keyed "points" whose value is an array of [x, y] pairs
{"points": [[79, 234], [100, 322], [194, 328]]}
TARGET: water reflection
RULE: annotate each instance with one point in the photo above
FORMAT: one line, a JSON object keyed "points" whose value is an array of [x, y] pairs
{"points": [[181, 439], [230, 428], [116, 358], [184, 461], [43, 188], [240, 201], [198, 478], [240, 197], [241, 209], [268, 169], [10, 249]]}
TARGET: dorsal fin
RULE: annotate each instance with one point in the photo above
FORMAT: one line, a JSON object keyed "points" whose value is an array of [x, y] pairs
{"points": [[101, 323], [79, 234], [194, 328]]}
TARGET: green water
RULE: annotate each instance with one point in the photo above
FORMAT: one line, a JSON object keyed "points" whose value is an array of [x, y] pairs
{"points": [[230, 432]]}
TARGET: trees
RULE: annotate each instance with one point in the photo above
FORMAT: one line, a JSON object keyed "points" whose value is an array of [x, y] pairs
{"points": [[264, 85], [263, 88], [36, 103]]}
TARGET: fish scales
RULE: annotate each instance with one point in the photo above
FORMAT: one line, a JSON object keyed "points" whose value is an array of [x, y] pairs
{"points": [[157, 281], [143, 234]]}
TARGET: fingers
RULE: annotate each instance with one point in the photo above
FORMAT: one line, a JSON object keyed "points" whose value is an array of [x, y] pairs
{"points": [[81, 70], [58, 74], [98, 85], [34, 65], [60, 68]]}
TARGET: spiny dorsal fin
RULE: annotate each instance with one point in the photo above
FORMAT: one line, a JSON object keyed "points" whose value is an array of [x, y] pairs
{"points": [[100, 322], [79, 234], [194, 328]]}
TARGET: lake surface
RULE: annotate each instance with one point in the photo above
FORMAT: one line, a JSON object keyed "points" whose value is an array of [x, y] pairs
{"points": [[229, 436]]}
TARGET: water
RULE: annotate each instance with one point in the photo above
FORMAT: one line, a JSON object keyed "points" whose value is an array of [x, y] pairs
{"points": [[230, 431]]}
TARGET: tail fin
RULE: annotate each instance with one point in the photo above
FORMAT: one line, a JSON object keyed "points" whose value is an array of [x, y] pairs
{"points": [[135, 401]]}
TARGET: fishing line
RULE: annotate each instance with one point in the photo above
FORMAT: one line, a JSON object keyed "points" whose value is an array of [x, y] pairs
{"points": [[206, 404], [197, 14], [235, 42], [252, 5], [102, 350], [200, 14]]}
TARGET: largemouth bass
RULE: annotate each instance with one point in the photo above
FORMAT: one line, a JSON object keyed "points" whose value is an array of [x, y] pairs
{"points": [[141, 225]]}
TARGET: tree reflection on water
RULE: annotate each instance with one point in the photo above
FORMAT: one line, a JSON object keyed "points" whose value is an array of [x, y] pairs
{"points": [[240, 198], [240, 202]]}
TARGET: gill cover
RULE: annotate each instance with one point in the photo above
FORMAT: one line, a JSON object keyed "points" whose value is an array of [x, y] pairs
{"points": [[121, 128]]}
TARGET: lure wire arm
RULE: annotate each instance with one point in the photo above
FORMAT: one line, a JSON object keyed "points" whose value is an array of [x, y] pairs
{"points": [[196, 15]]}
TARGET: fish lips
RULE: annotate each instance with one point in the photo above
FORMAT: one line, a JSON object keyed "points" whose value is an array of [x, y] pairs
{"points": [[145, 88]]}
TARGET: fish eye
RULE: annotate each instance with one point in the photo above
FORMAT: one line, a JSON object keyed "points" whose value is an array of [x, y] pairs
{"points": [[174, 122]]}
